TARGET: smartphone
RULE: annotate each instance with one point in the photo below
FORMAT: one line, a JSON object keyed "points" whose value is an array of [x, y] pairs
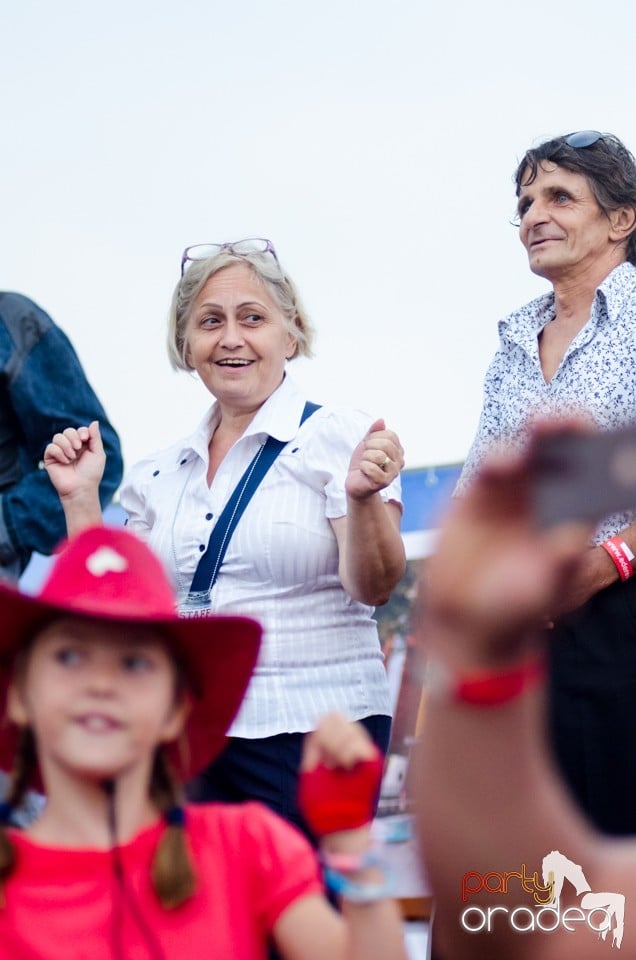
{"points": [[583, 476]]}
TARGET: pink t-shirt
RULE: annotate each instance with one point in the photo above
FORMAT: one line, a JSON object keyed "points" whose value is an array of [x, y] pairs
{"points": [[67, 903]]}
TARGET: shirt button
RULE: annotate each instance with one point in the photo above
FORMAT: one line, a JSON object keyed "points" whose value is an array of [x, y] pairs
{"points": [[185, 460], [209, 516], [201, 548], [155, 473]]}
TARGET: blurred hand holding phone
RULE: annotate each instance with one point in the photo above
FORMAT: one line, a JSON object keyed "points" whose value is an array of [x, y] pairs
{"points": [[583, 475]]}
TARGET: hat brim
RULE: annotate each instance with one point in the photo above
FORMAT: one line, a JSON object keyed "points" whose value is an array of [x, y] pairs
{"points": [[218, 654]]}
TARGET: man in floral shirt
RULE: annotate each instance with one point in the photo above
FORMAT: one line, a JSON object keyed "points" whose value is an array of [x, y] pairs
{"points": [[569, 351]]}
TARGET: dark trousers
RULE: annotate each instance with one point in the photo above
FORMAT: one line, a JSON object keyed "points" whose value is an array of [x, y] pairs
{"points": [[267, 770], [592, 706]]}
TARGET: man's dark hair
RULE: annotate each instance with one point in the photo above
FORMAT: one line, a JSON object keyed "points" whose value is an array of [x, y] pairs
{"points": [[607, 164]]}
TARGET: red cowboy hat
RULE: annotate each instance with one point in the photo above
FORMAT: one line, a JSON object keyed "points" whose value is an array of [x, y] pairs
{"points": [[109, 574]]}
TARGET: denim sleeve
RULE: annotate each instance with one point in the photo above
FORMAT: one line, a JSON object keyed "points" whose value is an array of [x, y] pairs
{"points": [[48, 391]]}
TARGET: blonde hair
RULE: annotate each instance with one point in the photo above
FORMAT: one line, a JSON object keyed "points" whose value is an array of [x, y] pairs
{"points": [[266, 270]]}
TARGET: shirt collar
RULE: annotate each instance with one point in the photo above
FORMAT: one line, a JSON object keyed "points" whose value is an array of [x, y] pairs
{"points": [[523, 325], [278, 417], [617, 287]]}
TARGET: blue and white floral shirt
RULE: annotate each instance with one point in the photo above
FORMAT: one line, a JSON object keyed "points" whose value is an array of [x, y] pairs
{"points": [[597, 375]]}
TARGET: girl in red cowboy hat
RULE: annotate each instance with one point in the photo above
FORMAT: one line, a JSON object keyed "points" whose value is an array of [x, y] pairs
{"points": [[107, 693]]}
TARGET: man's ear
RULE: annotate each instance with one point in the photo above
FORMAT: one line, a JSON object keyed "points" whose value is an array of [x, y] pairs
{"points": [[16, 707], [622, 223]]}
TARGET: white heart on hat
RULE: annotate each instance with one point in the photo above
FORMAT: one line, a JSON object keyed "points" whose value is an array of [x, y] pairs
{"points": [[105, 560]]}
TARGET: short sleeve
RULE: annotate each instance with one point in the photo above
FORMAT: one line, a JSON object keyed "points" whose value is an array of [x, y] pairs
{"points": [[133, 498], [262, 862], [336, 435], [285, 865]]}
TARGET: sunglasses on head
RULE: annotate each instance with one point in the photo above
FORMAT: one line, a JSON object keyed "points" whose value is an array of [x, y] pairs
{"points": [[583, 138]]}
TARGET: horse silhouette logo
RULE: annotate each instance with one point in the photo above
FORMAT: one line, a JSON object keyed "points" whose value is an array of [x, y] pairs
{"points": [[557, 869]]}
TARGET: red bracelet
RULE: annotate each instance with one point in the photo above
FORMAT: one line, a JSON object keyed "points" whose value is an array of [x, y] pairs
{"points": [[486, 688], [622, 556]]}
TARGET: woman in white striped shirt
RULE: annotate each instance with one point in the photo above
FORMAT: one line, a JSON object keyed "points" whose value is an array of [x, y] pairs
{"points": [[318, 545]]}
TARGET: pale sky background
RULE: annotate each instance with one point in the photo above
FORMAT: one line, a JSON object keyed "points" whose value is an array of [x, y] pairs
{"points": [[372, 142]]}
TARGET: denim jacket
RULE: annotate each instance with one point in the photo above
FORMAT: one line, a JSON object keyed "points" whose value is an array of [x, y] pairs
{"points": [[43, 390]]}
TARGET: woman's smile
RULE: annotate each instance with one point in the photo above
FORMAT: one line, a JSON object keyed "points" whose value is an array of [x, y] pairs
{"points": [[238, 341]]}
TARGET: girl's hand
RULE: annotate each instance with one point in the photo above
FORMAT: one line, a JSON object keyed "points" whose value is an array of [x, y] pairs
{"points": [[340, 778]]}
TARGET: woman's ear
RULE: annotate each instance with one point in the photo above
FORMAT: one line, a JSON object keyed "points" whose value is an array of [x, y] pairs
{"points": [[292, 346]]}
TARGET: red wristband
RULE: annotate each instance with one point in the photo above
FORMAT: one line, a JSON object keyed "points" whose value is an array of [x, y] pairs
{"points": [[332, 799], [622, 556], [488, 688]]}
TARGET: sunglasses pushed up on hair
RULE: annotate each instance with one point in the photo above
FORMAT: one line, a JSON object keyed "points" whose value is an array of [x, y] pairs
{"points": [[583, 138]]}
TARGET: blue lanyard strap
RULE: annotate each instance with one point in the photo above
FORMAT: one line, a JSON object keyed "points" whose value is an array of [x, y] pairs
{"points": [[209, 565]]}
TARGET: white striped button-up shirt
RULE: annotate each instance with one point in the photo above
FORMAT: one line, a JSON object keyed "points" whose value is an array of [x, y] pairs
{"points": [[320, 648]]}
